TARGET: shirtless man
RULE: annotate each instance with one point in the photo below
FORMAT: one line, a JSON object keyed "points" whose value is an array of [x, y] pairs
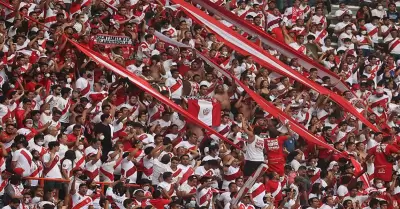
{"points": [[157, 69], [245, 105], [223, 96], [263, 75], [195, 69], [146, 74]]}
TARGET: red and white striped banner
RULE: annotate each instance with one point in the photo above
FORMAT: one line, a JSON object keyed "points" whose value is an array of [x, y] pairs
{"points": [[245, 47], [265, 38], [145, 86], [264, 104], [249, 183]]}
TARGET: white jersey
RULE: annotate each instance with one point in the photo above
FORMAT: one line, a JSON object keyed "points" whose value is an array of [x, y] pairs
{"points": [[118, 200], [53, 170], [24, 160], [81, 201], [83, 85], [255, 150]]}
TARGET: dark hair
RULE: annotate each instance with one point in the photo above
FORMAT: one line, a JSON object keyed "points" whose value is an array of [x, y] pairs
{"points": [[77, 126], [15, 179], [127, 202], [15, 200], [38, 136], [56, 112], [65, 90], [82, 185], [373, 202], [166, 175], [104, 117], [166, 158], [48, 206], [53, 144], [21, 139]]}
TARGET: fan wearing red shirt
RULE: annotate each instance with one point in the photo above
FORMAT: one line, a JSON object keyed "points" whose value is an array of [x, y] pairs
{"points": [[274, 150], [31, 85], [383, 168], [121, 18], [274, 186], [22, 113], [72, 137], [158, 202]]}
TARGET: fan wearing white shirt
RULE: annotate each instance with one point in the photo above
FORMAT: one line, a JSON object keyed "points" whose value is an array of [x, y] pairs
{"points": [[355, 197], [22, 158], [313, 202], [328, 203], [342, 190], [340, 27], [51, 162], [14, 203], [164, 122], [79, 198], [379, 11], [347, 34], [343, 10]]}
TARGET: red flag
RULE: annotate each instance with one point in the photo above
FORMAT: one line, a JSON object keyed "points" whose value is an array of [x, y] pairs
{"points": [[144, 85], [245, 47]]}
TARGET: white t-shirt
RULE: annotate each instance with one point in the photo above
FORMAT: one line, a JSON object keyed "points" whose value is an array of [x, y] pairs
{"points": [[20, 156], [77, 198], [63, 106], [81, 84], [225, 197], [342, 191], [67, 165], [49, 138], [54, 101], [171, 82], [158, 169], [255, 150], [118, 200], [54, 171]]}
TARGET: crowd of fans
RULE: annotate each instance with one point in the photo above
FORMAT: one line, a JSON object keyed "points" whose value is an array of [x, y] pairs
{"points": [[98, 141]]}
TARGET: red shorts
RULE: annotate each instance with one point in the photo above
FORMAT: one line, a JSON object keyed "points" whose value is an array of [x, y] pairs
{"points": [[277, 166], [383, 172]]}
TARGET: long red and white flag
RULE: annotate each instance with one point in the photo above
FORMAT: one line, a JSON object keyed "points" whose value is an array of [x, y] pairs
{"points": [[249, 183], [245, 47], [145, 86], [265, 105], [265, 38], [207, 111]]}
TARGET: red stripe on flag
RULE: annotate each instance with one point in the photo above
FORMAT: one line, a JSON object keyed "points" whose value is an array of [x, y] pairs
{"points": [[283, 48], [244, 46], [144, 85]]}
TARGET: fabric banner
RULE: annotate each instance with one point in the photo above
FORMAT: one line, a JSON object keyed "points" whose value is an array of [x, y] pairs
{"points": [[245, 47], [265, 105], [107, 63], [249, 183], [110, 40], [207, 111], [267, 39], [357, 167]]}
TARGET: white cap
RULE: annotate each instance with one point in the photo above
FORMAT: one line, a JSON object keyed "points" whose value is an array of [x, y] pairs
{"points": [[331, 164], [253, 14]]}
